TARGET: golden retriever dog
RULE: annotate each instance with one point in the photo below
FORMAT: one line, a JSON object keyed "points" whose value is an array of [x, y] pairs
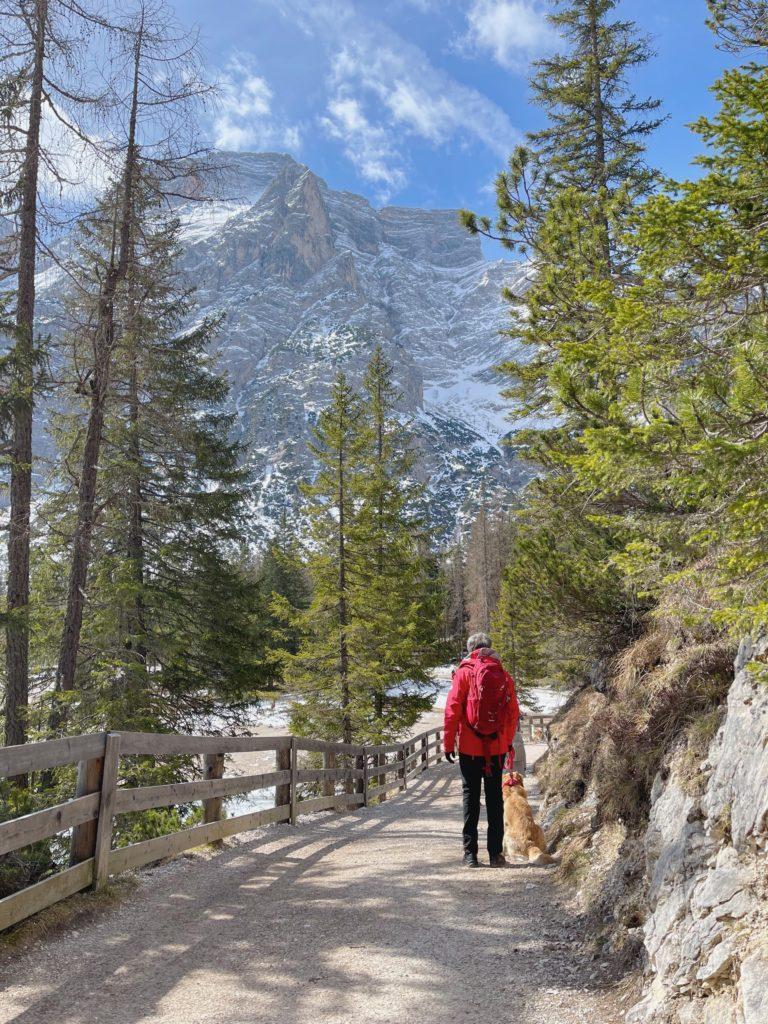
{"points": [[523, 838]]}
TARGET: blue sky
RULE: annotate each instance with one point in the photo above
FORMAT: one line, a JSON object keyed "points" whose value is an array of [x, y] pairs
{"points": [[418, 102]]}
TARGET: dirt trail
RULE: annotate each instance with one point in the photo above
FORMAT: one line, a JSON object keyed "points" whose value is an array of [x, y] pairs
{"points": [[363, 917]]}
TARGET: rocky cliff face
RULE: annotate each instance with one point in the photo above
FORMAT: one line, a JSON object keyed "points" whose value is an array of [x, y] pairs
{"points": [[310, 279], [665, 841], [706, 937]]}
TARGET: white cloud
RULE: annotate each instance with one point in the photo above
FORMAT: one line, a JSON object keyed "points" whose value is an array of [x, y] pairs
{"points": [[244, 117], [383, 89], [77, 163], [368, 146], [510, 30]]}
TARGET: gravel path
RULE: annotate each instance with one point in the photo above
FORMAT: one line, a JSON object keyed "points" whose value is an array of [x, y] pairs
{"points": [[363, 917]]}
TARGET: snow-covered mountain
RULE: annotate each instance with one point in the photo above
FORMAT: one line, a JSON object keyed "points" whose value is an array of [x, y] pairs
{"points": [[310, 279]]}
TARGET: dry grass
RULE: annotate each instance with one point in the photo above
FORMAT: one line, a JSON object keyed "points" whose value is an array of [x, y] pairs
{"points": [[667, 685], [698, 739], [661, 703], [73, 911]]}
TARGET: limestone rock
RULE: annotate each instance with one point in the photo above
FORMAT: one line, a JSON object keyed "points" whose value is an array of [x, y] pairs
{"points": [[706, 875], [754, 988], [310, 279]]}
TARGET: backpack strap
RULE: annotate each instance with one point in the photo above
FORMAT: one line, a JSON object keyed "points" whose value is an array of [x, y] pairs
{"points": [[487, 754]]}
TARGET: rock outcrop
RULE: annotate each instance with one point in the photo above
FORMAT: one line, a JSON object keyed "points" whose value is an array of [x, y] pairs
{"points": [[309, 280], [706, 934]]}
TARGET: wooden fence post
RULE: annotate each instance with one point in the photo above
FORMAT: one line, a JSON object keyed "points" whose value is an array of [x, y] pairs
{"points": [[103, 844], [213, 768], [365, 777], [439, 750], [381, 779], [294, 784], [329, 761], [425, 751], [283, 764], [83, 844], [360, 760], [404, 769]]}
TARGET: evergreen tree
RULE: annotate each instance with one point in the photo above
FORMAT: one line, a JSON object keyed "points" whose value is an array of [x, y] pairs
{"points": [[563, 200], [283, 580], [739, 24], [370, 633], [594, 139], [563, 605], [568, 201], [163, 86], [173, 629], [399, 602], [321, 673], [692, 333]]}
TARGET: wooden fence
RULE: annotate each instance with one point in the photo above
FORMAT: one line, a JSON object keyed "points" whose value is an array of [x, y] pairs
{"points": [[535, 727], [365, 772]]}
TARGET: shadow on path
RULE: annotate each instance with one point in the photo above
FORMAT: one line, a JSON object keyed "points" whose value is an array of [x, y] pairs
{"points": [[366, 916]]}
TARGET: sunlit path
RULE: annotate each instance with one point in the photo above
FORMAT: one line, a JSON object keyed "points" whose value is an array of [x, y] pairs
{"points": [[365, 917]]}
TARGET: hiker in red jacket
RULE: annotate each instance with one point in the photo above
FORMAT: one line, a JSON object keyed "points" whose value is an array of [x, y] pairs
{"points": [[482, 713]]}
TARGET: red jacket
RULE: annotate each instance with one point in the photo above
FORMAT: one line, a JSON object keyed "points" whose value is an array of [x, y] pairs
{"points": [[455, 715]]}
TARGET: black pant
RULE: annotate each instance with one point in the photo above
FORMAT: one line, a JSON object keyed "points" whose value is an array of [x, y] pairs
{"points": [[472, 776]]}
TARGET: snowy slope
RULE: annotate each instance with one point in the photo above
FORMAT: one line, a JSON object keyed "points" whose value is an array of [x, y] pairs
{"points": [[310, 279]]}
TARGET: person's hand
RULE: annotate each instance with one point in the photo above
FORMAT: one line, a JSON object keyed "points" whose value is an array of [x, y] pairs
{"points": [[450, 757]]}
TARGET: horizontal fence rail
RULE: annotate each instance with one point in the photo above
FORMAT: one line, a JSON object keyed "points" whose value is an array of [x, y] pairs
{"points": [[535, 727], [362, 773]]}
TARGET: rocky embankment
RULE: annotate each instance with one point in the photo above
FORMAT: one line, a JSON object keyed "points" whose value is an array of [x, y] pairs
{"points": [[706, 934], [681, 889]]}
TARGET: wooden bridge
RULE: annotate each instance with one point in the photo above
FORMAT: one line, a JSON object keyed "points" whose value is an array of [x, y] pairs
{"points": [[365, 773]]}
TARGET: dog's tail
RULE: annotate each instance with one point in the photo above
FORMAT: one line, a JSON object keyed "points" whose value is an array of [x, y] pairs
{"points": [[537, 856]]}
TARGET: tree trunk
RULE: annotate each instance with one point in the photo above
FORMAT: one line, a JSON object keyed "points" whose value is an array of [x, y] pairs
{"points": [[378, 699], [601, 162], [135, 544], [17, 628], [103, 346], [342, 606]]}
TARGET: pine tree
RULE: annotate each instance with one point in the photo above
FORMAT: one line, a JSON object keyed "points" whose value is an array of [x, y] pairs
{"points": [[370, 633], [283, 581], [162, 84], [739, 24], [594, 140], [321, 674], [399, 603], [173, 628], [563, 201], [568, 201], [563, 604], [692, 333]]}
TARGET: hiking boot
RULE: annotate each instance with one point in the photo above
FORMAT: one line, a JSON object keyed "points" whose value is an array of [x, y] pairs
{"points": [[498, 861], [471, 861]]}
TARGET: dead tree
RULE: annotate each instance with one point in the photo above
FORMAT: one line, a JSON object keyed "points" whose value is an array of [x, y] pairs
{"points": [[42, 47], [159, 148]]}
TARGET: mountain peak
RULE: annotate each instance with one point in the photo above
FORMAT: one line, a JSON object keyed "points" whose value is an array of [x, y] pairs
{"points": [[310, 279]]}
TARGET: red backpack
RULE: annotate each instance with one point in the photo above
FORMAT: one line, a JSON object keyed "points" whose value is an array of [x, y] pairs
{"points": [[487, 701]]}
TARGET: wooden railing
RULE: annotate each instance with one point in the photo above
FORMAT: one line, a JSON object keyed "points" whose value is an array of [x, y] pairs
{"points": [[534, 727], [366, 772]]}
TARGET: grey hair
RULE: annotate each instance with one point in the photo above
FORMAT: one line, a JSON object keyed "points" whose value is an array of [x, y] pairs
{"points": [[478, 640]]}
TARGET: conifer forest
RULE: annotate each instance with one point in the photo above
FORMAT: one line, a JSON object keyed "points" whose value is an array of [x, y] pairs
{"points": [[214, 502]]}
